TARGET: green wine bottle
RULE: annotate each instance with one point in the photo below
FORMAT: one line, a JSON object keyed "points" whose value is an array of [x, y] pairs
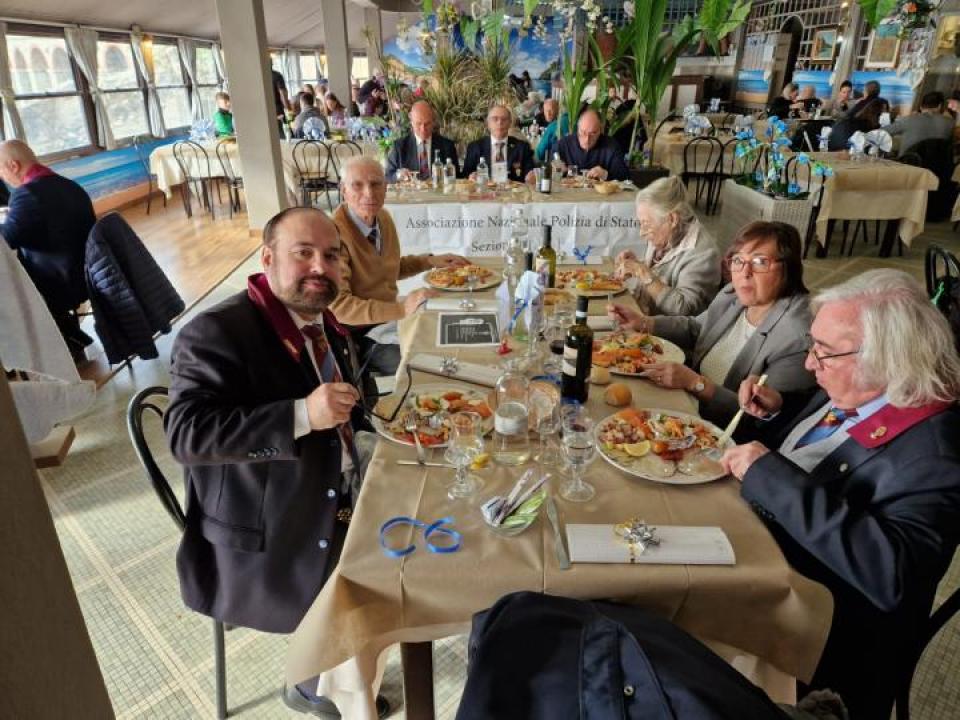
{"points": [[577, 356], [547, 258]]}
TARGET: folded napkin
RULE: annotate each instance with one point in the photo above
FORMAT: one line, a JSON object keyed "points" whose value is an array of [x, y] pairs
{"points": [[678, 546], [880, 139], [600, 322], [689, 110], [565, 258], [453, 303], [466, 371]]}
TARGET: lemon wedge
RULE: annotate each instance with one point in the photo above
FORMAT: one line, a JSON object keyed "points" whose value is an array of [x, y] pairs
{"points": [[637, 449], [583, 285], [483, 459]]}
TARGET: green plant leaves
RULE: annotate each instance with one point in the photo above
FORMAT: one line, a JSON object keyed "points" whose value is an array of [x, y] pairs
{"points": [[876, 10]]}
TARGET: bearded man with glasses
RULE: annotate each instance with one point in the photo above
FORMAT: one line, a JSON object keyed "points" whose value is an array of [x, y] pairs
{"points": [[863, 489]]}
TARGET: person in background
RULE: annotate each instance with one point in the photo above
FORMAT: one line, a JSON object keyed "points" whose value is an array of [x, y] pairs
{"points": [[781, 105], [756, 325], [807, 102], [308, 109], [412, 155], [871, 95], [554, 130], [354, 94], [859, 481], [336, 112], [423, 84], [281, 100], [866, 120], [376, 103], [841, 106], [590, 150], [372, 263], [928, 124], [499, 148], [680, 270], [223, 117], [308, 88], [48, 221]]}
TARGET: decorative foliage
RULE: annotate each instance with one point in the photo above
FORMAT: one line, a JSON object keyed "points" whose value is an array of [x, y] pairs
{"points": [[749, 151], [907, 14]]}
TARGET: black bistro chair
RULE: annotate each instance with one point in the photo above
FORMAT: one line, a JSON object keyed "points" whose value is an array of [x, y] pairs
{"points": [[233, 179], [312, 160], [701, 156], [143, 155], [340, 152], [194, 164], [140, 404]]}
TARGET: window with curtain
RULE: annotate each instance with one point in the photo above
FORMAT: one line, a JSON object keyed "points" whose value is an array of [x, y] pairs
{"points": [[207, 80], [308, 69], [276, 61], [47, 93], [123, 93], [171, 88], [360, 68]]}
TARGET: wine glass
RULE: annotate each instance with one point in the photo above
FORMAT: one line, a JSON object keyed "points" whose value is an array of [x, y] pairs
{"points": [[546, 418], [464, 444], [468, 302], [579, 449]]}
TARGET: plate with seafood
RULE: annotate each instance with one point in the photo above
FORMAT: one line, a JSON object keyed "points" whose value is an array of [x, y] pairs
{"points": [[625, 352], [456, 279], [430, 407], [592, 283]]}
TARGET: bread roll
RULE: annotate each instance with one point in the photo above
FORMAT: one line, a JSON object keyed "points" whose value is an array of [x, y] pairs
{"points": [[618, 395]]}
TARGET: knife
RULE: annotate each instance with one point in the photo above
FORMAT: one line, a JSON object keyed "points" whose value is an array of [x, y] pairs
{"points": [[424, 464], [562, 558]]}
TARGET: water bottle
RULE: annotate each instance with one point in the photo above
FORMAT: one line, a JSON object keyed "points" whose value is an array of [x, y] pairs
{"points": [[449, 177], [436, 172], [513, 254], [483, 175], [557, 167], [511, 439]]}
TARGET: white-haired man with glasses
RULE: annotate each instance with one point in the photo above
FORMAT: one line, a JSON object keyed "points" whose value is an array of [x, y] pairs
{"points": [[861, 487]]}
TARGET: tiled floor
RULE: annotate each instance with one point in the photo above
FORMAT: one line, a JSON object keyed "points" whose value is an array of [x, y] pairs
{"points": [[157, 658]]}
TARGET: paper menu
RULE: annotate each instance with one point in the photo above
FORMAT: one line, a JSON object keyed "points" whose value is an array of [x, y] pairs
{"points": [[678, 546]]}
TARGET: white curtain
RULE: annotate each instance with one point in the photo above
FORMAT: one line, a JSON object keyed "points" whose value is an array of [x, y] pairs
{"points": [[291, 72], [143, 55], [321, 64], [221, 68], [6, 91], [188, 53], [82, 43]]}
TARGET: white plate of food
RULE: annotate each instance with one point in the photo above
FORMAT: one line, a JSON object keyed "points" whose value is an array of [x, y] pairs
{"points": [[591, 283], [664, 446], [625, 352], [455, 279], [427, 401]]}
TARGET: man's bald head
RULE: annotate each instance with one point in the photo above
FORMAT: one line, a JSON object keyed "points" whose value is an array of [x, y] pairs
{"points": [[16, 158], [589, 129], [422, 120]]}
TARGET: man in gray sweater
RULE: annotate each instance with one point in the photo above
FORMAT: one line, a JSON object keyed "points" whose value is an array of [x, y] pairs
{"points": [[928, 124]]}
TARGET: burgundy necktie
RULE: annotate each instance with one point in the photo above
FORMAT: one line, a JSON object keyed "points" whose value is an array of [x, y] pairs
{"points": [[424, 162]]}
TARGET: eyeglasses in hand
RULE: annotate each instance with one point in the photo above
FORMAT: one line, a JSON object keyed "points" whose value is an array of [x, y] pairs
{"points": [[368, 412]]}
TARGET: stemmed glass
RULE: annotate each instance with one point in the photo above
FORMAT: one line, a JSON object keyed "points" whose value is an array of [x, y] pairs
{"points": [[579, 449], [468, 303], [464, 444], [546, 419]]}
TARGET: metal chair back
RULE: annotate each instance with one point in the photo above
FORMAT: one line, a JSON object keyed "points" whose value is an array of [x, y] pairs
{"points": [[143, 155], [340, 152], [231, 172], [701, 155], [311, 158], [194, 163]]}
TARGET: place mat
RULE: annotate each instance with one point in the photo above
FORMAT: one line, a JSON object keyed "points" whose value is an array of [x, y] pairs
{"points": [[466, 371], [678, 546]]}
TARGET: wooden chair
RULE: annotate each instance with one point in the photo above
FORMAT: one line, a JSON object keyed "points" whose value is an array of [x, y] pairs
{"points": [[233, 180], [194, 164], [312, 160]]}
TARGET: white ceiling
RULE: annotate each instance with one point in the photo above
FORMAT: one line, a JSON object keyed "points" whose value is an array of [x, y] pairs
{"points": [[295, 23]]}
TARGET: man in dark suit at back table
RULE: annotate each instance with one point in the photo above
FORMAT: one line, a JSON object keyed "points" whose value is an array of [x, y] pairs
{"points": [[48, 221], [412, 155], [589, 149], [512, 157], [861, 487], [263, 409]]}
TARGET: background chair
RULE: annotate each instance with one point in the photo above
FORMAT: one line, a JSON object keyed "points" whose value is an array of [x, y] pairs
{"points": [[194, 164], [701, 156], [141, 403], [233, 179], [143, 155], [312, 160], [936, 155], [340, 152]]}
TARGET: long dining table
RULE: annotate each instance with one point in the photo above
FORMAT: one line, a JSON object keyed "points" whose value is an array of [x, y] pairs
{"points": [[770, 622]]}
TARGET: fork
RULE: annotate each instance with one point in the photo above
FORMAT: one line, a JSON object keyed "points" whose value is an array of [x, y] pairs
{"points": [[412, 428]]}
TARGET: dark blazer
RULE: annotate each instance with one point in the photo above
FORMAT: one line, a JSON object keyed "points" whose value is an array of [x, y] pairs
{"points": [[47, 224], [403, 154], [777, 348], [877, 522], [606, 153], [519, 157], [131, 297], [262, 534]]}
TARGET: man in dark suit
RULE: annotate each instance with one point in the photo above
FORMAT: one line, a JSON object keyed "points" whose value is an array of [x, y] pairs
{"points": [[863, 492], [263, 407], [412, 155], [513, 158], [589, 149], [48, 222]]}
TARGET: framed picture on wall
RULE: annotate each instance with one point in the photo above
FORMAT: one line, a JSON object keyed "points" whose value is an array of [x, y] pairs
{"points": [[883, 49], [824, 45]]}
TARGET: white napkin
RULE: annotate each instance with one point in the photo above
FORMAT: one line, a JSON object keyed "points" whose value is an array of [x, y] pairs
{"points": [[453, 303], [678, 546], [880, 139], [466, 371], [691, 110], [599, 322], [529, 291], [857, 141], [715, 104]]}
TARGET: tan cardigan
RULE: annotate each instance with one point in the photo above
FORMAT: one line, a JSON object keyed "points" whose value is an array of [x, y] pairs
{"points": [[368, 290]]}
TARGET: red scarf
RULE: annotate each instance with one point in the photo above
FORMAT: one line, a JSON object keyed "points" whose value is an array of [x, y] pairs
{"points": [[35, 172]]}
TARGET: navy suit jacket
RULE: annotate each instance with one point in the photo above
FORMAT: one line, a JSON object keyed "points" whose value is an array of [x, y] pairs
{"points": [[48, 224], [403, 154], [877, 522], [519, 157], [606, 153], [261, 534]]}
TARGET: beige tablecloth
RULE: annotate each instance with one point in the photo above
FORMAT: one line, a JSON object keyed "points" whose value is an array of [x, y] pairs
{"points": [[759, 608]]}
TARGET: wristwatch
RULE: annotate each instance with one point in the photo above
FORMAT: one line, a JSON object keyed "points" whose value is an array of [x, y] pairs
{"points": [[699, 386]]}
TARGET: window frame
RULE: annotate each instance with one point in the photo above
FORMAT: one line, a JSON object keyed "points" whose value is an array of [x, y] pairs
{"points": [[199, 87], [128, 140], [171, 41]]}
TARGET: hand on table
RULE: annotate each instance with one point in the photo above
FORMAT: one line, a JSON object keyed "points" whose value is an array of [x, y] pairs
{"points": [[597, 173], [330, 405], [448, 260], [737, 460], [405, 175], [758, 400], [413, 301], [628, 318], [671, 375]]}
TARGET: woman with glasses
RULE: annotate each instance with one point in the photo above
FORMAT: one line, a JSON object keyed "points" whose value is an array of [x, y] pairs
{"points": [[680, 270], [756, 325]]}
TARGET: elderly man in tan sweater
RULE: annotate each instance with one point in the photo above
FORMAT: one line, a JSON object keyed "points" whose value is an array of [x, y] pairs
{"points": [[372, 263]]}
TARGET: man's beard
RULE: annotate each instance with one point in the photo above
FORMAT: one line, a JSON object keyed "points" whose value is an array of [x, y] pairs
{"points": [[309, 302]]}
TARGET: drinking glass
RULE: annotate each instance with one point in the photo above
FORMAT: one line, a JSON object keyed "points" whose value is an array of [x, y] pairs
{"points": [[571, 171], [464, 444], [579, 449], [468, 302], [554, 335], [546, 419]]}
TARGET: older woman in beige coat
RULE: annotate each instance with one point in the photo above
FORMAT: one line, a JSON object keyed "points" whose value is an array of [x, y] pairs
{"points": [[680, 270]]}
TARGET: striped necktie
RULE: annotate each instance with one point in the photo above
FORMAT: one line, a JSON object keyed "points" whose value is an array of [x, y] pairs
{"points": [[499, 157], [329, 373], [424, 162], [826, 427]]}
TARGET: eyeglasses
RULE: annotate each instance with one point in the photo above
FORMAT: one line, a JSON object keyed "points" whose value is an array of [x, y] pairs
{"points": [[758, 263], [368, 412], [811, 344]]}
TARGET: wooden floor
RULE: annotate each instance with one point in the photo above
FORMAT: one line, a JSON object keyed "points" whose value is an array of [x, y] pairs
{"points": [[195, 253]]}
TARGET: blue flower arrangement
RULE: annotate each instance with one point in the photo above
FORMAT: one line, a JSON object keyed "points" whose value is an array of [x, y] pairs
{"points": [[773, 182]]}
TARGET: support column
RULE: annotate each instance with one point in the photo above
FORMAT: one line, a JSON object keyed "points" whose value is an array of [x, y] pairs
{"points": [[334, 16], [244, 39], [371, 18], [847, 55]]}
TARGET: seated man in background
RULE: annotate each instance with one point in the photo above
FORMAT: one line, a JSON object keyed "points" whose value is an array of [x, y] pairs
{"points": [[556, 128], [47, 224], [780, 106], [871, 94], [928, 124], [412, 154], [507, 158], [308, 109], [590, 150], [223, 117], [861, 487], [372, 263], [807, 102], [841, 106]]}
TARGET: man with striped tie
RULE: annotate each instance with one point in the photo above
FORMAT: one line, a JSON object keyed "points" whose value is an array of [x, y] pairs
{"points": [[412, 155], [863, 492]]}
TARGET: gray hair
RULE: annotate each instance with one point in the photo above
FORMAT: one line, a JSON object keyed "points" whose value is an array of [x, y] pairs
{"points": [[908, 347], [355, 163], [665, 196]]}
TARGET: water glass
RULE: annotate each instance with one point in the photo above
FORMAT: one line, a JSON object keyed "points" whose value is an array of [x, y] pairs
{"points": [[468, 302], [579, 449], [463, 446], [546, 420]]}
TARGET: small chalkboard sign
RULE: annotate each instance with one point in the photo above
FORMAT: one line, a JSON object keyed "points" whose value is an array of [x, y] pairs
{"points": [[467, 329]]}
